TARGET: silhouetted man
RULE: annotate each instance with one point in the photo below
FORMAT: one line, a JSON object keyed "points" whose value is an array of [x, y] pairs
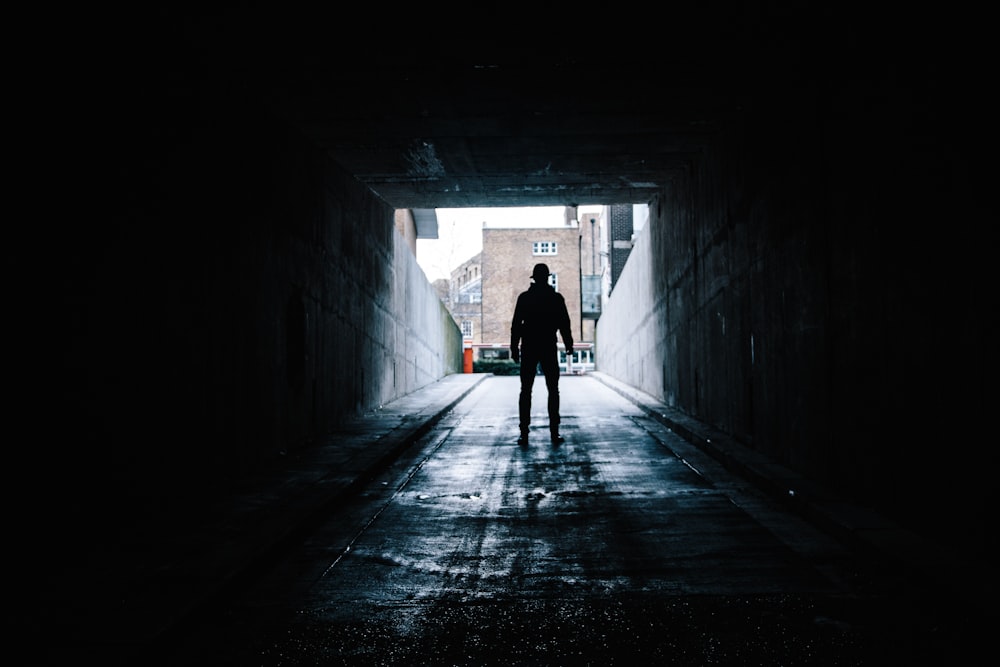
{"points": [[540, 312]]}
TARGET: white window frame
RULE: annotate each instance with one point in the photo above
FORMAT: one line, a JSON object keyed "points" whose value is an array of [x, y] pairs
{"points": [[467, 328], [544, 248]]}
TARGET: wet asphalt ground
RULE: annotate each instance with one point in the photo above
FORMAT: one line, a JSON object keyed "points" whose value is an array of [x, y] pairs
{"points": [[625, 544]]}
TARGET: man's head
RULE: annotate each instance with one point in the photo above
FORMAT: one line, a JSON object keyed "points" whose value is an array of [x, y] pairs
{"points": [[540, 274]]}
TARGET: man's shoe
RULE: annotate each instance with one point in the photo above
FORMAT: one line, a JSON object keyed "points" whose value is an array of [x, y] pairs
{"points": [[523, 440], [557, 439]]}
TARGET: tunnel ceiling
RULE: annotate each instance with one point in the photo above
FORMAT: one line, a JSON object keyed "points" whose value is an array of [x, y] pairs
{"points": [[499, 133], [435, 117]]}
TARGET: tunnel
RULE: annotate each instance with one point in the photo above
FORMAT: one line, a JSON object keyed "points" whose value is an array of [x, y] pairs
{"points": [[813, 281]]}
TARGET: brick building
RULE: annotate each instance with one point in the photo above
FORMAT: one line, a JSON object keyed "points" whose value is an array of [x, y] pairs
{"points": [[623, 230], [482, 291], [507, 259]]}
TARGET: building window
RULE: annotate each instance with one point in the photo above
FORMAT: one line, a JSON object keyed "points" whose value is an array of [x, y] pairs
{"points": [[466, 328], [543, 248], [554, 281]]}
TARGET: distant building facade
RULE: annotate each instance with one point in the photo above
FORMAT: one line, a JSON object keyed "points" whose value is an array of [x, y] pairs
{"points": [[595, 274], [483, 290], [465, 293]]}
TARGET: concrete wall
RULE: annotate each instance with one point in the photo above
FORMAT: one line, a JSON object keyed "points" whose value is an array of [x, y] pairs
{"points": [[631, 330], [814, 286], [234, 299]]}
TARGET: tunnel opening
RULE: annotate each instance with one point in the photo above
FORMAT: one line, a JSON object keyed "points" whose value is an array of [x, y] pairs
{"points": [[479, 258]]}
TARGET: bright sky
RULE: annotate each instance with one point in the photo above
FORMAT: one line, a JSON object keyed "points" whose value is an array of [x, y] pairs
{"points": [[460, 233]]}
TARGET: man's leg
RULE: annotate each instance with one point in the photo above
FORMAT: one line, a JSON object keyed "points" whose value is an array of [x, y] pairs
{"points": [[550, 367], [528, 365]]}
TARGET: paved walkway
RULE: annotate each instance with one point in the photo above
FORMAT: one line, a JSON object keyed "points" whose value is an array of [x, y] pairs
{"points": [[189, 561]]}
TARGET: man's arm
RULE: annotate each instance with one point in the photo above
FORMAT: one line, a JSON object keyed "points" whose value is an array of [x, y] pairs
{"points": [[567, 337], [565, 330], [515, 333]]}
